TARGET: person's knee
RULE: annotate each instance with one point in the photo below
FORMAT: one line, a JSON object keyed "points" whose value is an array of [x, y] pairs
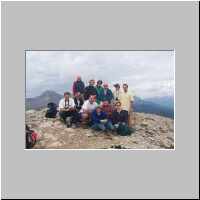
{"points": [[61, 114], [102, 127], [84, 116]]}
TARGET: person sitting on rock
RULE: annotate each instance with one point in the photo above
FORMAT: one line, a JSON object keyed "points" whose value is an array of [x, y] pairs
{"points": [[78, 100], [100, 121], [87, 108], [90, 90], [119, 115], [120, 120], [107, 108], [67, 110]]}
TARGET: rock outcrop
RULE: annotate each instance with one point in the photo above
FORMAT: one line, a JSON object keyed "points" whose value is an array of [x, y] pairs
{"points": [[152, 132]]}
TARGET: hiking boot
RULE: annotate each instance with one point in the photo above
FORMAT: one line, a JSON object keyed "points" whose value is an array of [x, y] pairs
{"points": [[74, 125], [68, 121]]}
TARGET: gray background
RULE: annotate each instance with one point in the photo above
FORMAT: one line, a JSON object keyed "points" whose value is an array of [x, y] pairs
{"points": [[100, 25]]}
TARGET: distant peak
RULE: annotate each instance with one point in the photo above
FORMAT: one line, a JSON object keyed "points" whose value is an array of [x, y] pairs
{"points": [[48, 92]]}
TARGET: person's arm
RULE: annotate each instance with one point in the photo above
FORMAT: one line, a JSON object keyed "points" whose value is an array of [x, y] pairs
{"points": [[104, 115], [113, 118], [86, 93], [131, 101], [83, 86], [95, 118], [84, 107], [111, 95], [71, 104], [74, 88]]}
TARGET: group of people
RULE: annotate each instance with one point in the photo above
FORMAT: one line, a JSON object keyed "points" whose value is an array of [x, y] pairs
{"points": [[97, 105]]}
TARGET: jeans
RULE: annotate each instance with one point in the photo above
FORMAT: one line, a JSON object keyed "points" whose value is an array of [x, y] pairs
{"points": [[103, 127]]}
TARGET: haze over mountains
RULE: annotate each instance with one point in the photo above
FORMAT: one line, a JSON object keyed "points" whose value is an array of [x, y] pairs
{"points": [[163, 106]]}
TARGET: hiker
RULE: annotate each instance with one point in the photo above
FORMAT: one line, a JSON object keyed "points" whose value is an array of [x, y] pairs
{"points": [[67, 110], [99, 90], [126, 99], [107, 93], [87, 108], [78, 86], [120, 120], [116, 92], [107, 108], [100, 121], [78, 100], [90, 90]]}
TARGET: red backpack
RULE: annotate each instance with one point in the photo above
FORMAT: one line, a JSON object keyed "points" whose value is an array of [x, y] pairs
{"points": [[31, 138]]}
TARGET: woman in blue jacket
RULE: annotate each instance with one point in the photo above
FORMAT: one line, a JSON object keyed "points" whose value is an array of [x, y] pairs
{"points": [[100, 120]]}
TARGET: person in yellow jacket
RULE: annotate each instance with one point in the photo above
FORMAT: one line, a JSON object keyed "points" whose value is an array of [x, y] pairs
{"points": [[126, 98]]}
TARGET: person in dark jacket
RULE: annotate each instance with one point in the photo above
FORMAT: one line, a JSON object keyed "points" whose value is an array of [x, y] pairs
{"points": [[99, 90], [120, 121], [90, 90], [78, 101], [78, 86], [119, 115], [100, 121], [107, 93]]}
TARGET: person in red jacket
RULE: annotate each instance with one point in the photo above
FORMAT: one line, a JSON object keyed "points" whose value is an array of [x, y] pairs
{"points": [[78, 86]]}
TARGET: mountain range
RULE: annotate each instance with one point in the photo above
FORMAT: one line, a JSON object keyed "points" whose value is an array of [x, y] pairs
{"points": [[163, 106]]}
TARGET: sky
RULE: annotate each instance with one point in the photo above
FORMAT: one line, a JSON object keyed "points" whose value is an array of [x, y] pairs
{"points": [[148, 73]]}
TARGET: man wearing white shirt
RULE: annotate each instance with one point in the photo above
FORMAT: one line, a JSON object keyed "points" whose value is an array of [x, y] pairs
{"points": [[87, 108], [67, 110]]}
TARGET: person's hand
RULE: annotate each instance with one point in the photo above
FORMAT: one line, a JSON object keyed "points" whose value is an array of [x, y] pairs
{"points": [[103, 120]]}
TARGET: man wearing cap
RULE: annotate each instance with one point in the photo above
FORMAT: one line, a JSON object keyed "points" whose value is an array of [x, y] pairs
{"points": [[90, 90], [116, 92], [107, 93], [78, 86], [126, 98]]}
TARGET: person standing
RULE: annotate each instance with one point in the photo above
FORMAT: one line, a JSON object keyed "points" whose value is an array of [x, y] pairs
{"points": [[126, 98], [107, 93], [116, 92], [99, 90], [78, 86], [90, 90]]}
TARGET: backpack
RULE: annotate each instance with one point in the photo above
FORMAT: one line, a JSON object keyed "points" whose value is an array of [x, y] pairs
{"points": [[31, 138], [52, 110], [124, 130]]}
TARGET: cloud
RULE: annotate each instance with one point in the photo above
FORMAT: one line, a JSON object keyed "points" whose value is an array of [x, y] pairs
{"points": [[148, 73]]}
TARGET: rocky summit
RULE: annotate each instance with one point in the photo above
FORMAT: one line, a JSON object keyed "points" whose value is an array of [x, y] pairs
{"points": [[151, 132]]}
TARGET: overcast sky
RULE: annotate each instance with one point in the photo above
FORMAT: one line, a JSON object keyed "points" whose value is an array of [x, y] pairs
{"points": [[148, 73]]}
